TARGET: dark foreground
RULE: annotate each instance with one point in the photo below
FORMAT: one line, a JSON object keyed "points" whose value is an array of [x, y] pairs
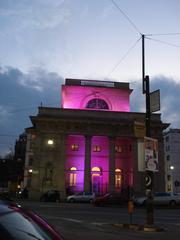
{"points": [[84, 221]]}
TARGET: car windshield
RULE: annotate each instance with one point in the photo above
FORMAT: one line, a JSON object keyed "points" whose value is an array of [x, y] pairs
{"points": [[20, 226], [80, 193]]}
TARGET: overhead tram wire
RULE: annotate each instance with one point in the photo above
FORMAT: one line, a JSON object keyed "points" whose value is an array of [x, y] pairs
{"points": [[163, 42], [127, 18], [162, 34], [124, 56]]}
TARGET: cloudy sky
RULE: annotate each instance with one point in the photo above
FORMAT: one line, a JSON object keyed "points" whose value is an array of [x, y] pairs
{"points": [[42, 42]]}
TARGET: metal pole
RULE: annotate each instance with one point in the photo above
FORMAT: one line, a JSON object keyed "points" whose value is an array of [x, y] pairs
{"points": [[149, 174], [143, 66]]}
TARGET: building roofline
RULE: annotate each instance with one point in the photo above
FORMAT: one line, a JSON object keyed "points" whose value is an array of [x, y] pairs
{"points": [[96, 83]]}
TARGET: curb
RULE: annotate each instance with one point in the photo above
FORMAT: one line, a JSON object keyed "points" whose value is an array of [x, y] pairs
{"points": [[139, 227]]}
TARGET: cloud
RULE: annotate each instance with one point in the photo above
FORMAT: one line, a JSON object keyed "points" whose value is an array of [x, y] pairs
{"points": [[34, 13], [169, 93], [20, 95]]}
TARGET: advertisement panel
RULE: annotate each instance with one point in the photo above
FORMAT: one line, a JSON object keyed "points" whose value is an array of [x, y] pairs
{"points": [[151, 154]]}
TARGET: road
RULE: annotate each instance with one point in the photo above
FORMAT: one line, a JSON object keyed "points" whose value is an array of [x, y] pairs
{"points": [[84, 221]]}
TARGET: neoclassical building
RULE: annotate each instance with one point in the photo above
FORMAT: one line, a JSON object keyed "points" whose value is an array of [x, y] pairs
{"points": [[91, 142]]}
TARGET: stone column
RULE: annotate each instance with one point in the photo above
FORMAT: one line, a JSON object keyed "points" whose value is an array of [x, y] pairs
{"points": [[87, 164], [111, 187]]}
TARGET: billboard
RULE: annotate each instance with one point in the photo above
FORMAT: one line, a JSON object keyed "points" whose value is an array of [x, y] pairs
{"points": [[151, 154]]}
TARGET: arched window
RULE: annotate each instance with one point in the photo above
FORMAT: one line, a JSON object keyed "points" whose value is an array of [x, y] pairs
{"points": [[72, 176], [97, 103], [96, 171]]}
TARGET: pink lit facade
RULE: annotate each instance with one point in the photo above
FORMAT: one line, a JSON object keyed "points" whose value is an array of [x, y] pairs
{"points": [[101, 98], [77, 97], [99, 167]]}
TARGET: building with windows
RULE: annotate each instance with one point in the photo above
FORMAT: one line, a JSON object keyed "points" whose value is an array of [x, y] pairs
{"points": [[172, 159], [90, 142]]}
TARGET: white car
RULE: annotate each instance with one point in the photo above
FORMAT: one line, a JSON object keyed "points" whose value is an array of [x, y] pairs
{"points": [[81, 197], [160, 198]]}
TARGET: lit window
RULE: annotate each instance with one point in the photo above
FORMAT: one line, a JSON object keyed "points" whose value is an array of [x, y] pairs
{"points": [[118, 178], [96, 169], [74, 147], [118, 148], [72, 177], [96, 148]]}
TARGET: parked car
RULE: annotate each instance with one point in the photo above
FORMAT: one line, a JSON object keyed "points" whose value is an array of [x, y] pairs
{"points": [[81, 197], [110, 198], [17, 223], [160, 198], [50, 196]]}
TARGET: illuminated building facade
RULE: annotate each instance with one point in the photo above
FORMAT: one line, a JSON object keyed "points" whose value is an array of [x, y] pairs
{"points": [[89, 143]]}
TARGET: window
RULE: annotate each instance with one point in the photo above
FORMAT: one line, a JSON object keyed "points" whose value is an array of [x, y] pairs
{"points": [[168, 177], [97, 103], [72, 177], [117, 178], [74, 147], [96, 148], [167, 139], [118, 149], [167, 157]]}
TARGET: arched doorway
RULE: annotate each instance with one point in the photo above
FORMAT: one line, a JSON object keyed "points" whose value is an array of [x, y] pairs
{"points": [[96, 180]]}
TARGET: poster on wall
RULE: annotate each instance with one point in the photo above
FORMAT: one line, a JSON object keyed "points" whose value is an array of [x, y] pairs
{"points": [[151, 154]]}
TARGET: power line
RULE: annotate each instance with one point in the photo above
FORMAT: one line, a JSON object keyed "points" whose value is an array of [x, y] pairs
{"points": [[124, 56], [125, 15], [167, 43], [161, 34]]}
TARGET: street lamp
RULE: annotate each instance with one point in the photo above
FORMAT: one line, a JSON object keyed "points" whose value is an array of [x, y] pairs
{"points": [[50, 142]]}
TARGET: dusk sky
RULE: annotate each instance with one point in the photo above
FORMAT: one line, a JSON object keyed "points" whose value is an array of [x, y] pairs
{"points": [[42, 42]]}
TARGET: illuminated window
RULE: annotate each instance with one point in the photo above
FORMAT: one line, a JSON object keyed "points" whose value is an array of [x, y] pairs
{"points": [[74, 147], [118, 148], [96, 148], [96, 171], [118, 178], [72, 177], [97, 103]]}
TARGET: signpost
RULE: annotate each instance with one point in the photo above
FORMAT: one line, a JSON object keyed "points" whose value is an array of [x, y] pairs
{"points": [[155, 101]]}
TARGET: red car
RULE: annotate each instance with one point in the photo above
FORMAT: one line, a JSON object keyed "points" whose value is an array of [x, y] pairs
{"points": [[110, 199], [17, 223]]}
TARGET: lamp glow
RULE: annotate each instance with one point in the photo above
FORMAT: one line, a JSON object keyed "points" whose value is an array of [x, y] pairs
{"points": [[50, 142]]}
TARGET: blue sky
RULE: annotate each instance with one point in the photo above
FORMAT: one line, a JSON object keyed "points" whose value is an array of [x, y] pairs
{"points": [[44, 42]]}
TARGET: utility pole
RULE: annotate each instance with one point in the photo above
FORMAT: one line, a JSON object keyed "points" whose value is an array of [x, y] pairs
{"points": [[149, 176]]}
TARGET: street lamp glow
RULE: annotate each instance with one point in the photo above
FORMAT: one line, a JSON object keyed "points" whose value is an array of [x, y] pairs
{"points": [[172, 167], [30, 170], [50, 142]]}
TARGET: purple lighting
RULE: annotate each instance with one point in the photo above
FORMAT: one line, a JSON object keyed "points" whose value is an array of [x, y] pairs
{"points": [[77, 97]]}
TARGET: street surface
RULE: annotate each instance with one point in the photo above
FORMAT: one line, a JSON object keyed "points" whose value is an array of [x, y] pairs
{"points": [[84, 221]]}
